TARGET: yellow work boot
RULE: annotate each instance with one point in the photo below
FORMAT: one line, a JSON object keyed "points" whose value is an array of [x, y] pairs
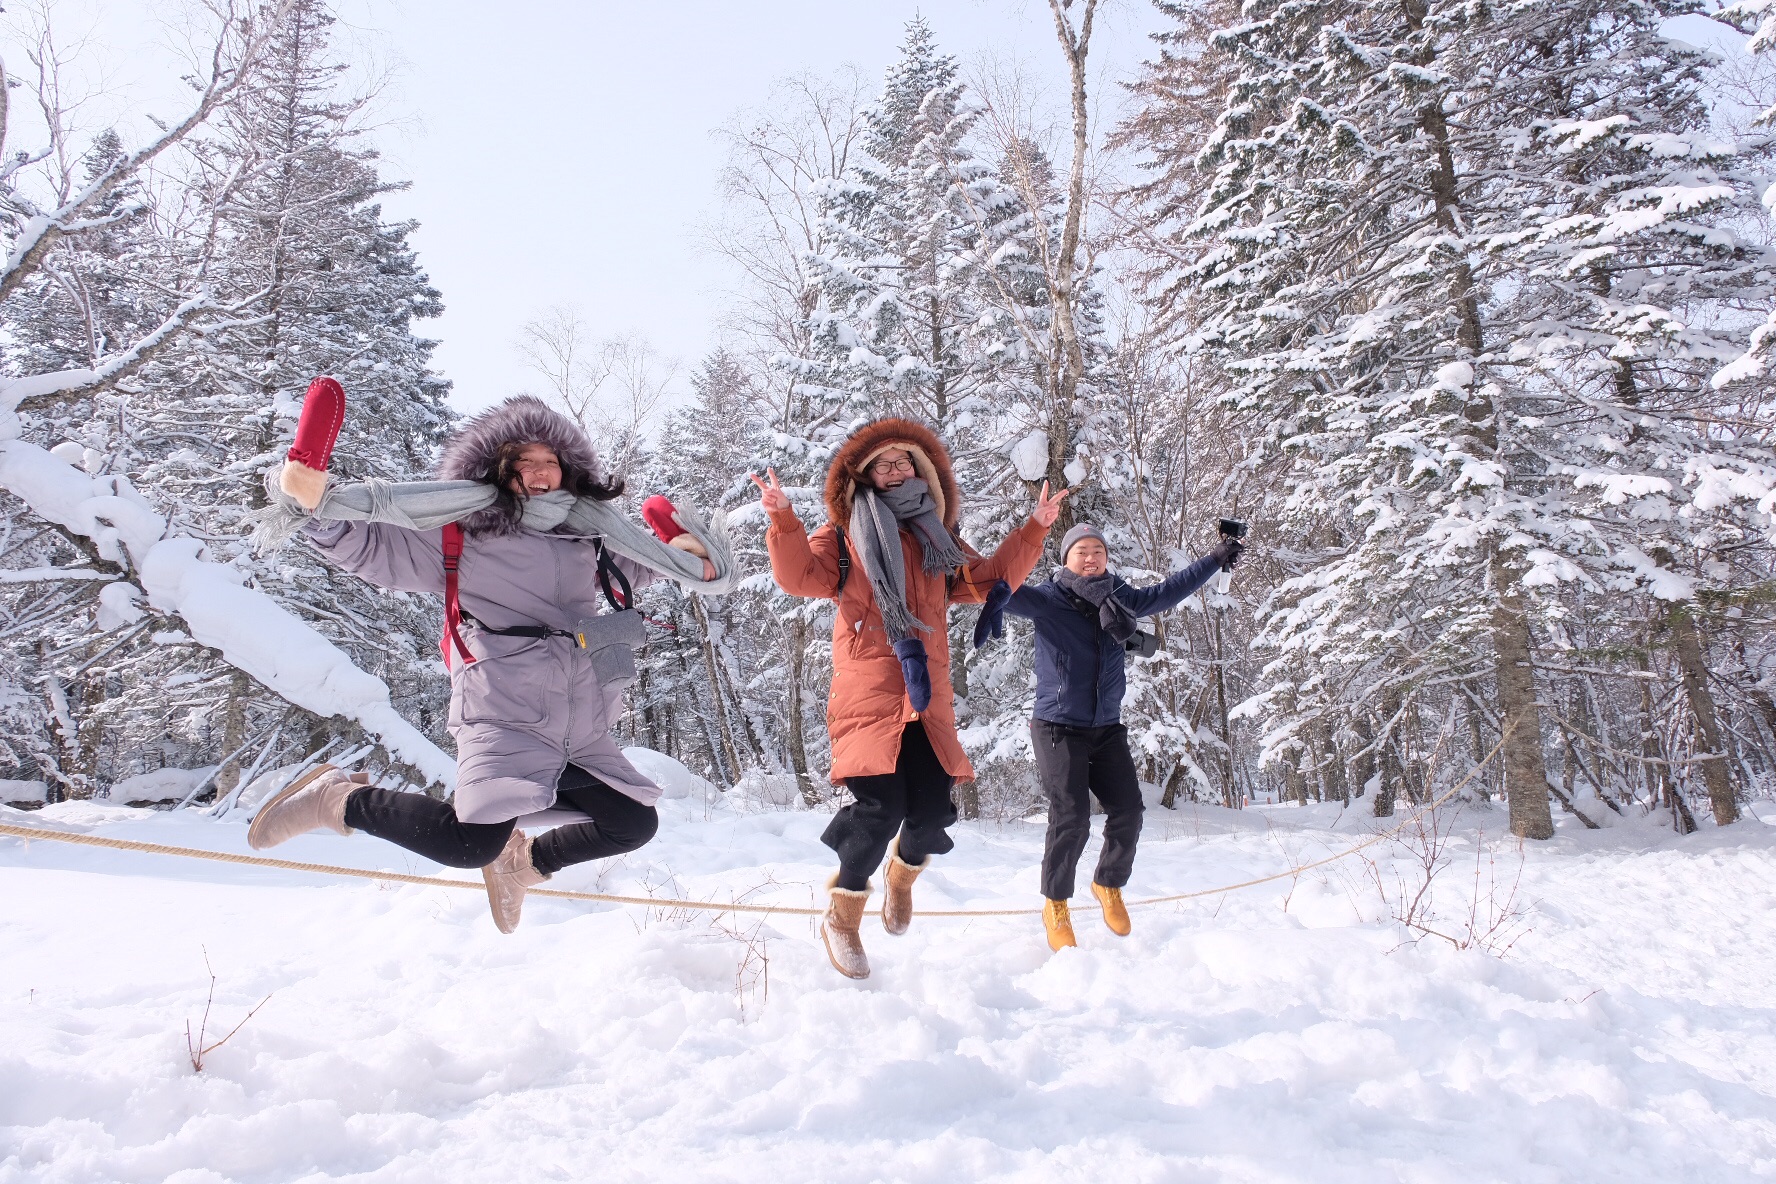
{"points": [[1116, 914], [1058, 924]]}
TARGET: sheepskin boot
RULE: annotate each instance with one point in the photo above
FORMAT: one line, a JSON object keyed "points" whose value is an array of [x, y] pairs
{"points": [[1116, 914], [508, 877], [1059, 924], [839, 929], [897, 898], [314, 801]]}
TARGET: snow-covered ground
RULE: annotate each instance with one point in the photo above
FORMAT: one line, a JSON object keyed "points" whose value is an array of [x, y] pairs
{"points": [[1282, 1033]]}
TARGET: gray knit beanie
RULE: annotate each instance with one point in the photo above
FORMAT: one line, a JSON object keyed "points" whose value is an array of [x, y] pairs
{"points": [[1078, 534]]}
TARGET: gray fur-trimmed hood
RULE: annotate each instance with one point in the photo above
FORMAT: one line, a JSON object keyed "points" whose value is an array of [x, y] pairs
{"points": [[472, 453]]}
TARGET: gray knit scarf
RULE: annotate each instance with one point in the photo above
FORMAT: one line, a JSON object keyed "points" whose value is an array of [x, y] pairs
{"points": [[1114, 617], [425, 505], [876, 518]]}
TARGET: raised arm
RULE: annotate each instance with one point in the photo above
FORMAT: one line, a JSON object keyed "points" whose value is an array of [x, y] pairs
{"points": [[1012, 562], [1170, 592], [1016, 556], [802, 566], [387, 556]]}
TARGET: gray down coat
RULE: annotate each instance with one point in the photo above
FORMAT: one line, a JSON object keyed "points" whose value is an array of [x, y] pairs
{"points": [[527, 706]]}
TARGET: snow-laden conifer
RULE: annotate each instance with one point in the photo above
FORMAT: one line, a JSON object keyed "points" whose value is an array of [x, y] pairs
{"points": [[1441, 247]]}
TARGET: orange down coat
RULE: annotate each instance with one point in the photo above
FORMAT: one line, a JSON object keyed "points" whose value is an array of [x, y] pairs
{"points": [[868, 708]]}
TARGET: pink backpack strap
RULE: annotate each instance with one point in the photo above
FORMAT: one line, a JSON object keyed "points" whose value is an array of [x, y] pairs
{"points": [[453, 548]]}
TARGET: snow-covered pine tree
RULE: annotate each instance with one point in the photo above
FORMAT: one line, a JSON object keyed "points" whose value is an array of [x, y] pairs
{"points": [[926, 306], [318, 283], [906, 322], [730, 720], [1436, 238], [1757, 18], [338, 289], [103, 273], [97, 292]]}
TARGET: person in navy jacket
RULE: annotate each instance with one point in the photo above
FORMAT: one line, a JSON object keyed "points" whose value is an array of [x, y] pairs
{"points": [[1084, 617]]}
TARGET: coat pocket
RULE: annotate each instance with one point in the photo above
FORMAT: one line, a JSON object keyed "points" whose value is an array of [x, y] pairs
{"points": [[511, 688]]}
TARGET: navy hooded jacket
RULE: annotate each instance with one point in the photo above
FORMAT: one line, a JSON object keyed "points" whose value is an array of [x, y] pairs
{"points": [[1080, 669]]}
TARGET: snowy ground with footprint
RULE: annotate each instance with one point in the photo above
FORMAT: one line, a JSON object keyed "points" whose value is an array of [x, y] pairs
{"points": [[1282, 1033]]}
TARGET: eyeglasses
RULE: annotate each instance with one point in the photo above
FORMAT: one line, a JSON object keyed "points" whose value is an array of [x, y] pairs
{"points": [[884, 467]]}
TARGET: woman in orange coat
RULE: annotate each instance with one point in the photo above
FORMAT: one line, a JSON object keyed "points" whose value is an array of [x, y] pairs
{"points": [[891, 559]]}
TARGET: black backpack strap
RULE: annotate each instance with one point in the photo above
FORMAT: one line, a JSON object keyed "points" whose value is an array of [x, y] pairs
{"points": [[844, 561], [1081, 604], [609, 572]]}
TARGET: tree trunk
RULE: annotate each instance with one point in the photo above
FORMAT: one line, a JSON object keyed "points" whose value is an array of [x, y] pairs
{"points": [[968, 793], [730, 752], [93, 731], [1526, 773], [1716, 775], [1363, 767], [1067, 366], [798, 745], [1387, 758], [1333, 785], [1230, 795]]}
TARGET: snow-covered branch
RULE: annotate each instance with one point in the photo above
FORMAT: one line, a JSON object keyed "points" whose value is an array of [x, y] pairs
{"points": [[253, 632], [240, 42]]}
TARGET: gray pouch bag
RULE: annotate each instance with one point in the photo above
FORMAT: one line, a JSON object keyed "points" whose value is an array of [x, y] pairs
{"points": [[609, 641]]}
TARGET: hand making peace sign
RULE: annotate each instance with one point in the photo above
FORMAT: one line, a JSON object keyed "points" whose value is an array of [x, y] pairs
{"points": [[1047, 508], [771, 496]]}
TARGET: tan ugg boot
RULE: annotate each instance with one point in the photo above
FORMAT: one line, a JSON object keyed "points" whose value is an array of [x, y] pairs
{"points": [[508, 877], [839, 929], [1116, 914], [314, 801], [1059, 925], [897, 896]]}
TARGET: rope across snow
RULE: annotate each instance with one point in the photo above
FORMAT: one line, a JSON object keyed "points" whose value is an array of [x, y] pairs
{"points": [[714, 906]]}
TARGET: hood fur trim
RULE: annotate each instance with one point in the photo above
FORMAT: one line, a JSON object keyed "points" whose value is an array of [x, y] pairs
{"points": [[929, 455], [472, 453]]}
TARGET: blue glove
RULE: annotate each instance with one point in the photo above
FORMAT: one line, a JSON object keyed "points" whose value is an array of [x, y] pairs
{"points": [[911, 653], [992, 614]]}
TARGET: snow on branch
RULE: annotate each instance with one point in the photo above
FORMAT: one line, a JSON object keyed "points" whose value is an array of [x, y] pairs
{"points": [[37, 387], [240, 42], [44, 575], [254, 633]]}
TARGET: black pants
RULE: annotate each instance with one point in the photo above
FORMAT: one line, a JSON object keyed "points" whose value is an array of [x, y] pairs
{"points": [[914, 800], [1074, 764], [428, 827]]}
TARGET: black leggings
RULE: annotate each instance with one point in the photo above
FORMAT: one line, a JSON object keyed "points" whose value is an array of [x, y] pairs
{"points": [[428, 827], [913, 800]]}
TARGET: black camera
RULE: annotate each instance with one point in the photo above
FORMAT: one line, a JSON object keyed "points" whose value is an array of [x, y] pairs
{"points": [[1232, 528], [1142, 645]]}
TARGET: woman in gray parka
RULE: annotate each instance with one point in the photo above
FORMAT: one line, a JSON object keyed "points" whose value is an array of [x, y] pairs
{"points": [[531, 719]]}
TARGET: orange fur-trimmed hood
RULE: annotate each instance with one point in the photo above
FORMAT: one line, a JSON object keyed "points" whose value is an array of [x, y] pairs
{"points": [[930, 457]]}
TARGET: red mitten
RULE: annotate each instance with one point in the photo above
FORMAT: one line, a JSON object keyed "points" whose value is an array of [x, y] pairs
{"points": [[304, 476], [662, 516]]}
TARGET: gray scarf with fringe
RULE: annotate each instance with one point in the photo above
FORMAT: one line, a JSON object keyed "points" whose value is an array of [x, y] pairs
{"points": [[1099, 591], [426, 505], [876, 519]]}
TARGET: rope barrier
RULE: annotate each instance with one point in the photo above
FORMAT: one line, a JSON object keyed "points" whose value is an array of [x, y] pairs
{"points": [[652, 902]]}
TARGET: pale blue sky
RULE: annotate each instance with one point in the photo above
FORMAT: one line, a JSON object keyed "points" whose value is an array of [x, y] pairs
{"points": [[560, 152], [566, 154]]}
